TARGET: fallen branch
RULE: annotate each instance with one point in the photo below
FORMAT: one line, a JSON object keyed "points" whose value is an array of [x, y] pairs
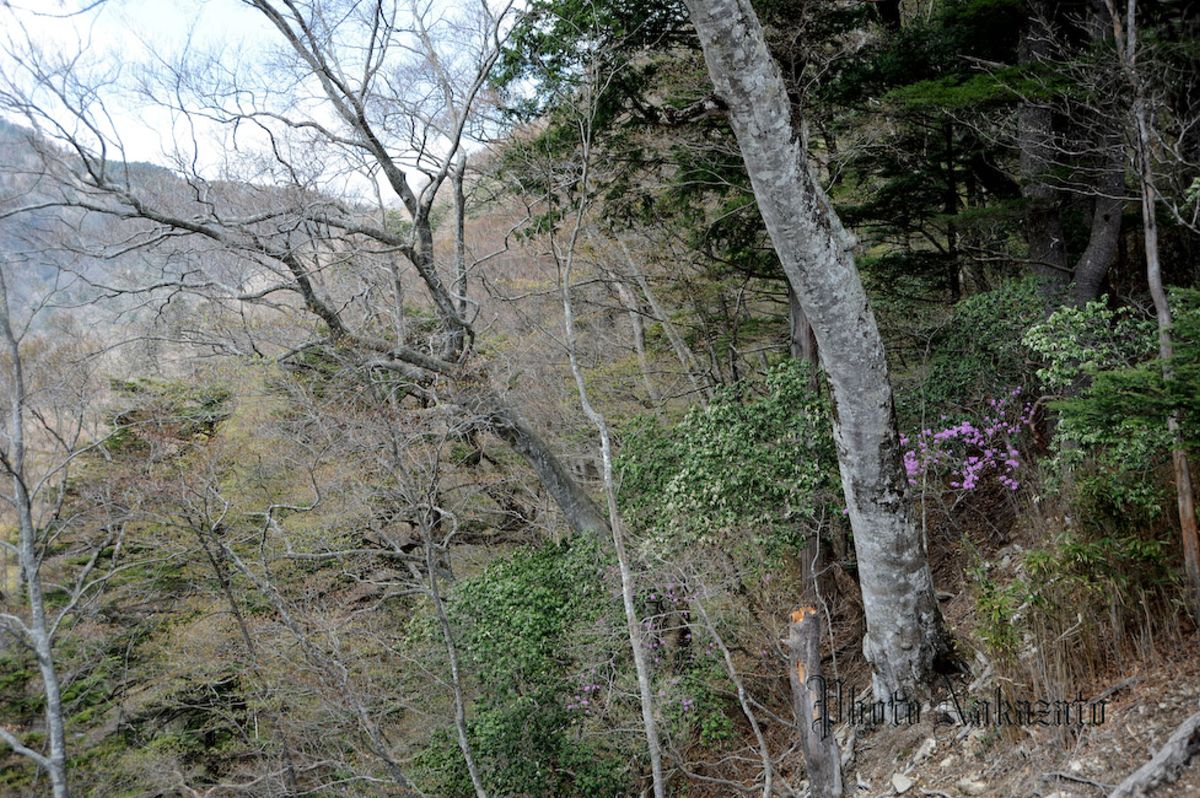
{"points": [[1116, 688], [1165, 765], [1058, 774]]}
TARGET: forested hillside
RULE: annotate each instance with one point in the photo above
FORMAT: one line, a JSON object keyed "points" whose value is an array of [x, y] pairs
{"points": [[660, 398]]}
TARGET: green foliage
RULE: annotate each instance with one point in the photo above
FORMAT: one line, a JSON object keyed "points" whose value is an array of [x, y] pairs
{"points": [[1075, 343], [557, 41], [1112, 434], [1081, 574], [1138, 395], [977, 354], [698, 702], [519, 621], [997, 606], [764, 465]]}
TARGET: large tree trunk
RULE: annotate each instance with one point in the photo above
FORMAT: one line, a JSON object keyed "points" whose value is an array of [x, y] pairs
{"points": [[1035, 142], [1108, 187], [904, 626], [1105, 236]]}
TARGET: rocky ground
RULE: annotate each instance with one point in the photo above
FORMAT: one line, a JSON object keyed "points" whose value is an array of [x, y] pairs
{"points": [[1145, 707]]}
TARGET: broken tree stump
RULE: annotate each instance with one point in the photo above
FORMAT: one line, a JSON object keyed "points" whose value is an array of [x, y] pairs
{"points": [[816, 738]]}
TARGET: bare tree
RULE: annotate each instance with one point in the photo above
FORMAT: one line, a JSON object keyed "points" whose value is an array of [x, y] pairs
{"points": [[48, 428], [564, 253], [398, 85], [1125, 32]]}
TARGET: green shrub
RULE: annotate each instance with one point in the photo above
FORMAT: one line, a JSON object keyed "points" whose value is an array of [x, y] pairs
{"points": [[1112, 434], [518, 625], [758, 470], [976, 354]]}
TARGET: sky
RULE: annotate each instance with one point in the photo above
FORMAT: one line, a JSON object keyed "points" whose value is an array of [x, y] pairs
{"points": [[130, 35], [128, 32]]}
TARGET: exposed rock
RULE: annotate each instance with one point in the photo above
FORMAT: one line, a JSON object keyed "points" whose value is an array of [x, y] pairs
{"points": [[925, 750], [971, 786], [901, 783]]}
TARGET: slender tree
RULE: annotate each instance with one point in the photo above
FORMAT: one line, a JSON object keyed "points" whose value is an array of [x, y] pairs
{"points": [[1125, 31]]}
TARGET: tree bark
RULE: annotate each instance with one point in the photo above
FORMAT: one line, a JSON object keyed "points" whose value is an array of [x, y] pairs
{"points": [[460, 711], [802, 342], [1185, 499], [633, 621], [905, 634], [637, 327], [1035, 143], [581, 513], [38, 630], [1105, 235], [821, 758]]}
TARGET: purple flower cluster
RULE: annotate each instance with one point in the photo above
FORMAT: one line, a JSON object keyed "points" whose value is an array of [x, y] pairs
{"points": [[971, 451], [585, 697]]}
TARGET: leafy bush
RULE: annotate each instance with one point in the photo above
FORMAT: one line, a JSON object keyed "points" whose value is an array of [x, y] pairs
{"points": [[518, 623], [1139, 394], [741, 463], [1075, 343], [977, 354], [1112, 432]]}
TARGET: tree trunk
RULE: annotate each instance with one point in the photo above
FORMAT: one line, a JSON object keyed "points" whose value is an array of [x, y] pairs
{"points": [[821, 758], [802, 342], [1105, 236], [687, 358], [457, 175], [1035, 142], [637, 327], [38, 631], [1144, 140], [743, 700], [460, 711], [1185, 498], [633, 621], [581, 513], [904, 626]]}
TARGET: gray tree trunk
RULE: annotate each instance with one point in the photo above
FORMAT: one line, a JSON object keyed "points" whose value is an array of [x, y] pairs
{"points": [[1185, 498], [460, 703], [633, 621], [1105, 236], [904, 626], [1035, 144], [687, 358], [38, 631], [802, 342], [637, 328]]}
